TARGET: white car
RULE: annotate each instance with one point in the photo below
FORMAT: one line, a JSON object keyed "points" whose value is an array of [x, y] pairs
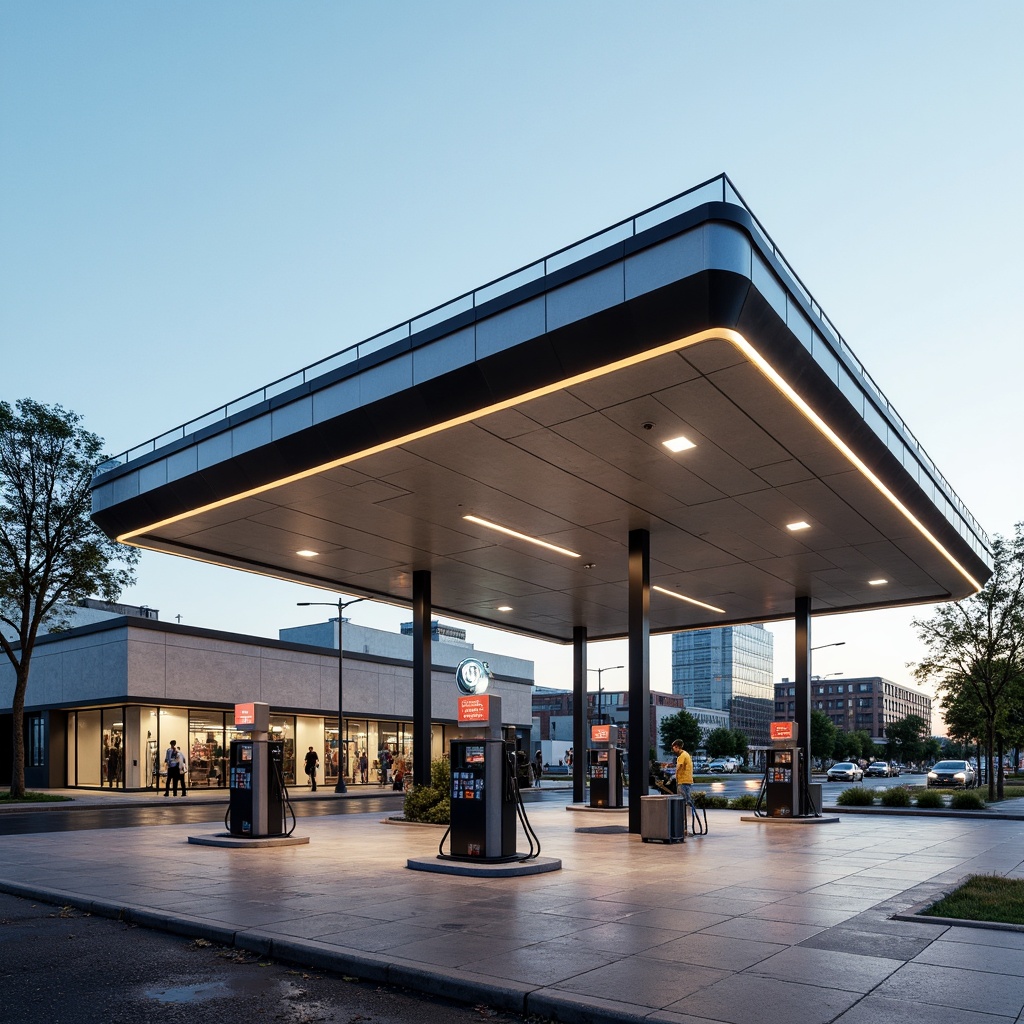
{"points": [[722, 766], [845, 771]]}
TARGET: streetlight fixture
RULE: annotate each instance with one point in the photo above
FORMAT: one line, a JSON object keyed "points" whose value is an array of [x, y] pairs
{"points": [[600, 671], [341, 605]]}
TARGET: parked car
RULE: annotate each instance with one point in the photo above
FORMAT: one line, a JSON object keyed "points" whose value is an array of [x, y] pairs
{"points": [[952, 775], [895, 769], [699, 767], [878, 769], [845, 771], [722, 766]]}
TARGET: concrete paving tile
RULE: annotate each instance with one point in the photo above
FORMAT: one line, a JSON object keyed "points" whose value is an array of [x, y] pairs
{"points": [[873, 921], [764, 931], [993, 959], [641, 981], [621, 939], [540, 964], [824, 901], [713, 905], [598, 910], [847, 971], [985, 937], [675, 920], [845, 940], [874, 1009], [956, 988], [720, 951], [444, 950], [744, 998], [799, 915]]}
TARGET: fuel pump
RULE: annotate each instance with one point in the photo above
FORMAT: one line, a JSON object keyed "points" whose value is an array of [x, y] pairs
{"points": [[604, 766], [784, 791], [485, 797], [257, 796]]}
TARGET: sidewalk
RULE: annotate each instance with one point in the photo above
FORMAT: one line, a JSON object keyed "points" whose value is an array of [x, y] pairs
{"points": [[753, 922]]}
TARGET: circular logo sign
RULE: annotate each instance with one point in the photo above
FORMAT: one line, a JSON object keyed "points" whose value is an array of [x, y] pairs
{"points": [[472, 676]]}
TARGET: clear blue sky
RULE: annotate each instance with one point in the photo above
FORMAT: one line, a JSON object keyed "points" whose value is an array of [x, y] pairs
{"points": [[196, 199]]}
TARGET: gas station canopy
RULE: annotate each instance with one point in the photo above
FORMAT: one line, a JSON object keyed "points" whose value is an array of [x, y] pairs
{"points": [[670, 374]]}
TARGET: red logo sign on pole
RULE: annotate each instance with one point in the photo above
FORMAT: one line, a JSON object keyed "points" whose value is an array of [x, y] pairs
{"points": [[474, 709], [600, 733], [782, 730]]}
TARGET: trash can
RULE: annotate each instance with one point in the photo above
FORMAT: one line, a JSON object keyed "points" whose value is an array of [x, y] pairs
{"points": [[663, 819]]}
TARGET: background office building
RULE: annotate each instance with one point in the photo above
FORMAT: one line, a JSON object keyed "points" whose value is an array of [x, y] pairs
{"points": [[866, 704], [553, 715], [728, 669]]}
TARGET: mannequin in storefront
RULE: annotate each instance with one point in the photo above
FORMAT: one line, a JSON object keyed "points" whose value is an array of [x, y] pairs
{"points": [[312, 763]]}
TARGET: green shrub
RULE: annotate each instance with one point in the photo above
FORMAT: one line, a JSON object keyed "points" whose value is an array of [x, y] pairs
{"points": [[431, 803], [746, 802], [896, 796], [929, 798], [968, 800], [708, 800], [856, 796]]}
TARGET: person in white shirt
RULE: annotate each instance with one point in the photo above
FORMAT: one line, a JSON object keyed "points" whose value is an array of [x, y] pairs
{"points": [[176, 767]]}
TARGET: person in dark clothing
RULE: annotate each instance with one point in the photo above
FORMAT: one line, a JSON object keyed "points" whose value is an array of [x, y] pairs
{"points": [[312, 763], [176, 768]]}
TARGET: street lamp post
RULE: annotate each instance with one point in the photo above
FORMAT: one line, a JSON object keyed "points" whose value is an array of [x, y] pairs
{"points": [[599, 671], [341, 605]]}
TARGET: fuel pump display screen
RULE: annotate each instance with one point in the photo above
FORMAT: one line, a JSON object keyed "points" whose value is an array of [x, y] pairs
{"points": [[474, 755], [467, 786]]}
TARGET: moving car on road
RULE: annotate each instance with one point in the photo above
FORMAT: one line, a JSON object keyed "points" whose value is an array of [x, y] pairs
{"points": [[952, 775], [879, 769], [845, 771]]}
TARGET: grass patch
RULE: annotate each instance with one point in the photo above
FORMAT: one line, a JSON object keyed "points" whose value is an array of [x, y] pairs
{"points": [[33, 798], [984, 898]]}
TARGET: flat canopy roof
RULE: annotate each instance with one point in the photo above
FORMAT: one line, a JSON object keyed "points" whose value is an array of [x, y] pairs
{"points": [[543, 405]]}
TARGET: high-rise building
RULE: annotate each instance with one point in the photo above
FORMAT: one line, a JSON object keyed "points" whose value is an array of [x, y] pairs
{"points": [[728, 669]]}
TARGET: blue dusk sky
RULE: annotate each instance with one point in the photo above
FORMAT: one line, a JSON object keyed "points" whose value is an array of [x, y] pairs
{"points": [[197, 199]]}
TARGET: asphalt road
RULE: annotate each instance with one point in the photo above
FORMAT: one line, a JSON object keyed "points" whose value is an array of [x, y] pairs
{"points": [[63, 966]]}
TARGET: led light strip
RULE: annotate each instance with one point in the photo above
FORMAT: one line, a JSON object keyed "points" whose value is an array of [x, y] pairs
{"points": [[689, 600], [520, 536], [722, 334]]}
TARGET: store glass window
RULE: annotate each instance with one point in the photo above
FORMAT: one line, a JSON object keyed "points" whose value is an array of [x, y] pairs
{"points": [[207, 756], [113, 748], [282, 727], [332, 755], [36, 741]]}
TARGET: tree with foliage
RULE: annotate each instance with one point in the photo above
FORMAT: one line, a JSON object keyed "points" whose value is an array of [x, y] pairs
{"points": [[740, 745], [719, 742], [823, 736], [680, 726], [977, 645], [906, 736], [51, 553]]}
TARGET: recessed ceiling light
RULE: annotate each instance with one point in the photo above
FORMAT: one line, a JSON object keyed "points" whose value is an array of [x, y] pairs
{"points": [[877, 583], [798, 526], [678, 444], [306, 553], [504, 607], [520, 536], [689, 600]]}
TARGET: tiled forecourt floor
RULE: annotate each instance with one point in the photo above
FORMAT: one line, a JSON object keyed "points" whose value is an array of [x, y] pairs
{"points": [[751, 923]]}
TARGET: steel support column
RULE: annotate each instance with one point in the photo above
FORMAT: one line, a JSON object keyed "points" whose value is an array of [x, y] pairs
{"points": [[639, 660], [802, 678], [579, 712], [421, 669]]}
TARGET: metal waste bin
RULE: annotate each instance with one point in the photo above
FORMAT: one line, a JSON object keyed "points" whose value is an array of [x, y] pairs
{"points": [[663, 819]]}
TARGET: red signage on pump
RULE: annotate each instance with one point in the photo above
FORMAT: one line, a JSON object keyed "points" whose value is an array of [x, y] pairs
{"points": [[245, 714], [782, 730]]}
